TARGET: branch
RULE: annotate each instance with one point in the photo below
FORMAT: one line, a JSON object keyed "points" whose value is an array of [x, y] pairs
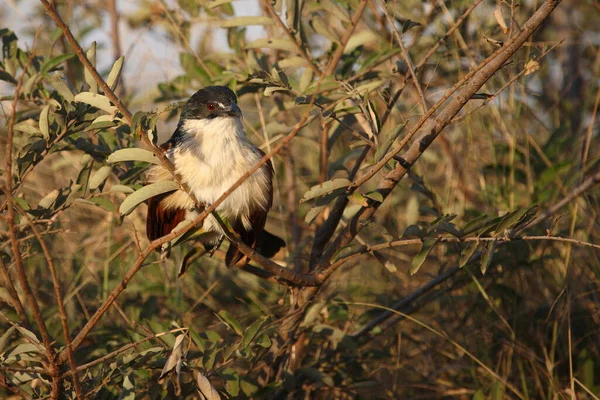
{"points": [[432, 128], [59, 300], [335, 59], [14, 241]]}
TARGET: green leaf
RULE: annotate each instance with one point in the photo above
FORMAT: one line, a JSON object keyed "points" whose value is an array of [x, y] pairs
{"points": [[512, 219], [232, 381], [121, 189], [58, 81], [143, 194], [96, 100], [252, 331], [325, 188], [279, 44], [115, 73], [89, 79], [488, 253], [132, 154], [5, 337], [99, 176], [419, 259], [245, 21], [103, 203], [467, 252], [313, 213], [228, 320], [376, 196], [264, 341], [54, 62], [44, 125]]}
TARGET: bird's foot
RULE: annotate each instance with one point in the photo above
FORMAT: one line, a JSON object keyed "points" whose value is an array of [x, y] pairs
{"points": [[216, 246]]}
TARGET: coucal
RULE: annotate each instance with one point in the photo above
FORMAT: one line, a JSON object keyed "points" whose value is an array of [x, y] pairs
{"points": [[210, 152]]}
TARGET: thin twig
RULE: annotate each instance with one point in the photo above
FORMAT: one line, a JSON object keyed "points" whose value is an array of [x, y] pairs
{"points": [[23, 280], [431, 128], [59, 299]]}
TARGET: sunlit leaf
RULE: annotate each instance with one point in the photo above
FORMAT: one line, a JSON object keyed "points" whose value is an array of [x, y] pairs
{"points": [[205, 388], [99, 176], [115, 73], [325, 188], [132, 154], [89, 79], [245, 21], [143, 194], [96, 100]]}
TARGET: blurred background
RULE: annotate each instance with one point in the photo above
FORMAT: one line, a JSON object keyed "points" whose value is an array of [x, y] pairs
{"points": [[524, 323]]}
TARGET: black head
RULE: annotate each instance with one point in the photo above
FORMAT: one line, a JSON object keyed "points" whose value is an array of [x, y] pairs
{"points": [[211, 102]]}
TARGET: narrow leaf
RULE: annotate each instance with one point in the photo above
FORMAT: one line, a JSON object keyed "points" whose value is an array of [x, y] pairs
{"points": [[205, 389], [325, 188], [419, 259], [488, 253], [228, 320], [132, 154], [143, 194], [245, 21], [89, 79], [58, 81], [252, 331], [115, 73], [44, 124], [96, 100], [56, 61], [467, 252], [99, 176]]}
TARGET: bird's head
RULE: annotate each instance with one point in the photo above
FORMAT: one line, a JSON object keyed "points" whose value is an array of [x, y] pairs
{"points": [[211, 102]]}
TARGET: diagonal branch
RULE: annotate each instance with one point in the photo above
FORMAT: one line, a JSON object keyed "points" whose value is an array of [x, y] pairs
{"points": [[432, 127]]}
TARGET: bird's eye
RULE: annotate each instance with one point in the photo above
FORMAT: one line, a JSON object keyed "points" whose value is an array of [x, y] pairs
{"points": [[211, 106]]}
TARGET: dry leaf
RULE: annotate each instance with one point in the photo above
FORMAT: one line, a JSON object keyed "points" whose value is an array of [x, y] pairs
{"points": [[500, 19], [175, 359], [206, 390], [531, 67]]}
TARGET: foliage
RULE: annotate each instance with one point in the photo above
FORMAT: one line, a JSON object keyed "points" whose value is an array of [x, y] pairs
{"points": [[459, 265]]}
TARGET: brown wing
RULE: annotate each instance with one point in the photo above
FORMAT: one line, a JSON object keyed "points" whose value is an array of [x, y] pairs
{"points": [[258, 219], [161, 221]]}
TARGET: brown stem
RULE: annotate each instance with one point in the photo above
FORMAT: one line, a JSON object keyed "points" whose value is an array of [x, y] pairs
{"points": [[14, 240], [433, 126], [335, 59], [59, 300]]}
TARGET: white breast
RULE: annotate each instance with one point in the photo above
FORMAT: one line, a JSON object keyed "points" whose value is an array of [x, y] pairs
{"points": [[212, 156]]}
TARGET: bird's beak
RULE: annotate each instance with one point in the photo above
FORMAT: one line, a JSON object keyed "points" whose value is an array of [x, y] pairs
{"points": [[235, 111]]}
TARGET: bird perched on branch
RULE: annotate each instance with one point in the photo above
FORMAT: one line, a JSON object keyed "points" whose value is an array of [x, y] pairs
{"points": [[210, 152]]}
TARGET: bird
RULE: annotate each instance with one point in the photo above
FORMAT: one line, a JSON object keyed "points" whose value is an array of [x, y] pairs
{"points": [[210, 152]]}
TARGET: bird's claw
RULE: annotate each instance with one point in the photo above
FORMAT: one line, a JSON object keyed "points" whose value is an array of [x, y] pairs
{"points": [[216, 246]]}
